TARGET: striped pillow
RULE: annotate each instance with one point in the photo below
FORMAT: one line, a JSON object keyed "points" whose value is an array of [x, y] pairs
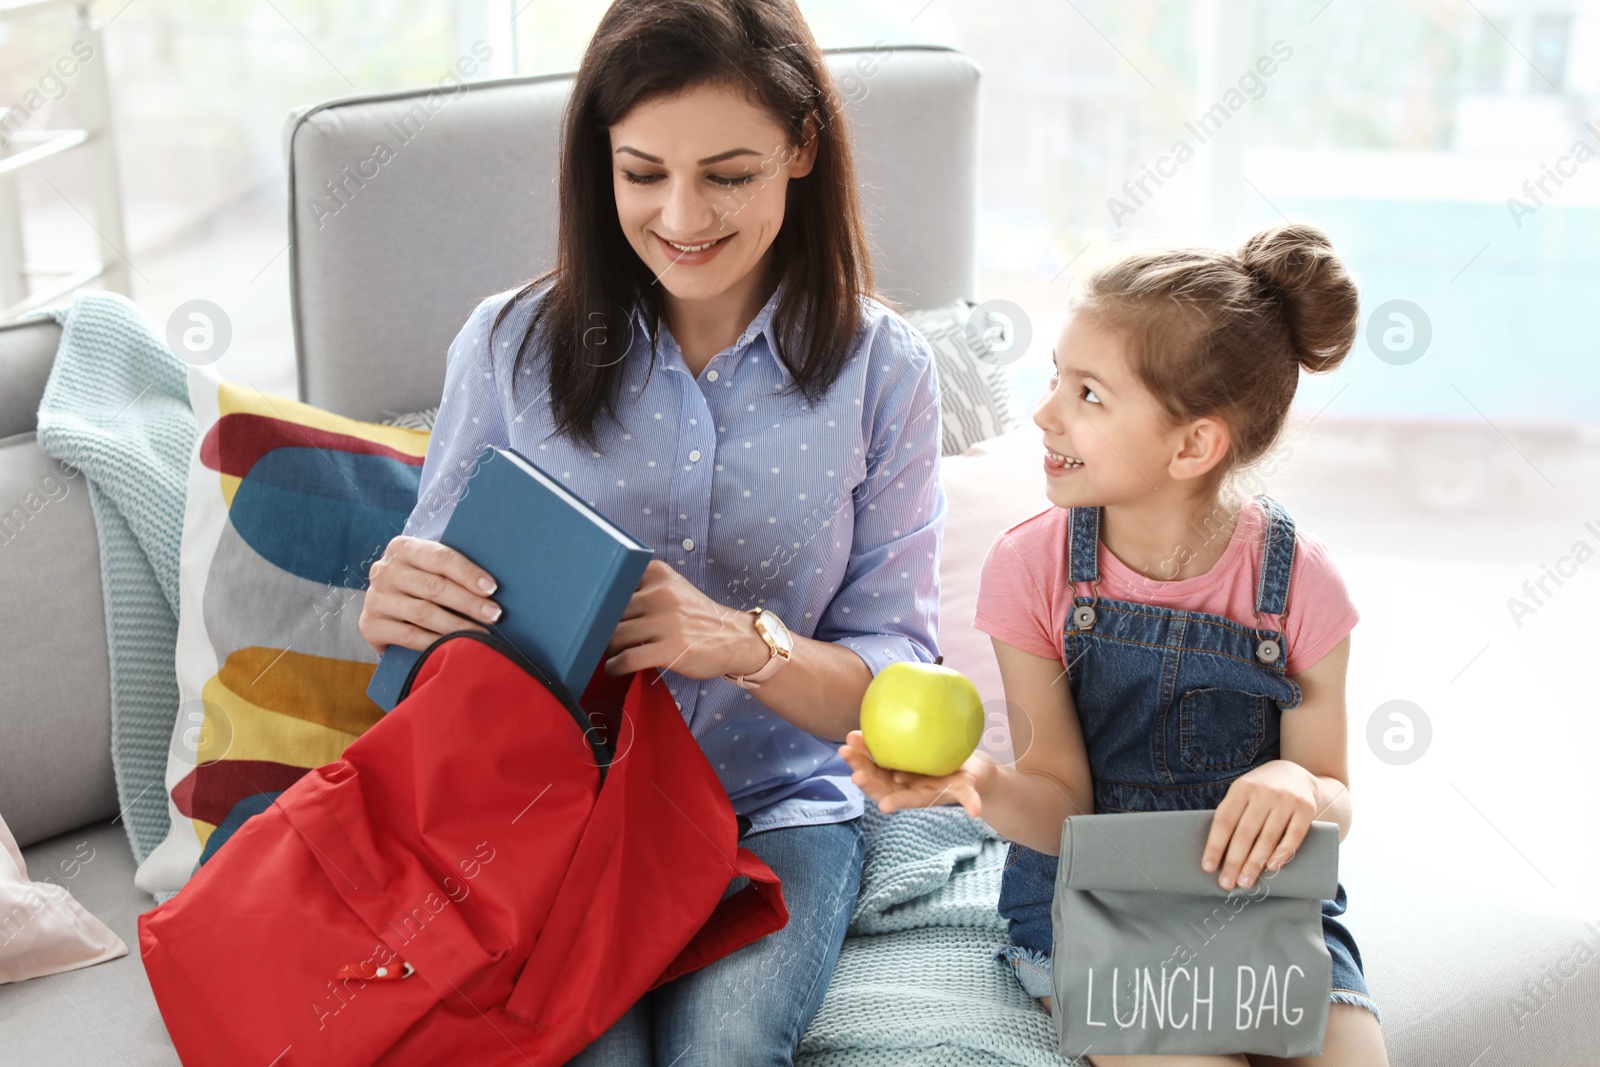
{"points": [[977, 398]]}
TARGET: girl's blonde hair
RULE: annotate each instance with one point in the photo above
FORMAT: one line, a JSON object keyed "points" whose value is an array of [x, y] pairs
{"points": [[1225, 335]]}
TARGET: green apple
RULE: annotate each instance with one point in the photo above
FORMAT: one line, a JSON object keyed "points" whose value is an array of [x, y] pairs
{"points": [[921, 717]]}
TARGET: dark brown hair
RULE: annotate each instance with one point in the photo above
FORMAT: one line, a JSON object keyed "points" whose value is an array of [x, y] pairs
{"points": [[645, 49], [1214, 333]]}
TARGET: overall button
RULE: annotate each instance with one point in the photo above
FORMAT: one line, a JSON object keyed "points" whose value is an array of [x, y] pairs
{"points": [[1267, 650], [688, 544], [1083, 616]]}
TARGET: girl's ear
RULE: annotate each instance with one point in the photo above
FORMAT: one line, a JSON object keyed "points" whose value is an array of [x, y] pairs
{"points": [[1203, 446]]}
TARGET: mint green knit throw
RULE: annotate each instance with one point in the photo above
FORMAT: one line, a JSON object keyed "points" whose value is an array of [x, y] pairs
{"points": [[116, 406]]}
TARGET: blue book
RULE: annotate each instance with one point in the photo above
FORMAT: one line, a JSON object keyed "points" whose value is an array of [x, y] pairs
{"points": [[564, 572]]}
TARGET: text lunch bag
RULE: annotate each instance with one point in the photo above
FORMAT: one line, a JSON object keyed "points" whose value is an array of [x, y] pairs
{"points": [[490, 874], [1152, 957]]}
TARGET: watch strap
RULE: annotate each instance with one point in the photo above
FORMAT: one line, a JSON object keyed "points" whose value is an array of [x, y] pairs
{"points": [[768, 669]]}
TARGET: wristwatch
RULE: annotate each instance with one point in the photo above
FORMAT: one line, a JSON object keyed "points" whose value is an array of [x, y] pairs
{"points": [[778, 639]]}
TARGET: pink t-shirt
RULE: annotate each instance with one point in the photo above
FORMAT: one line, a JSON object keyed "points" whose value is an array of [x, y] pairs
{"points": [[1024, 597]]}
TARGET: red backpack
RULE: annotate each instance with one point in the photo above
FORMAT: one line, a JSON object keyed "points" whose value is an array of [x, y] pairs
{"points": [[490, 874]]}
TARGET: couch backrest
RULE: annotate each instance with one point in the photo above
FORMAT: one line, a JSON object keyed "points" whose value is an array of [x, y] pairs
{"points": [[387, 259]]}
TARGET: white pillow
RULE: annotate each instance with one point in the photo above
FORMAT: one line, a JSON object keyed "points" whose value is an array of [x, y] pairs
{"points": [[46, 931]]}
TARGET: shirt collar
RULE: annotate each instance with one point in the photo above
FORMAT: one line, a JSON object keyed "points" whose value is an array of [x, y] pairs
{"points": [[763, 325]]}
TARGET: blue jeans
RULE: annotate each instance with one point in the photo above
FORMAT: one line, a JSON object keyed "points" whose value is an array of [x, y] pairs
{"points": [[750, 1007]]}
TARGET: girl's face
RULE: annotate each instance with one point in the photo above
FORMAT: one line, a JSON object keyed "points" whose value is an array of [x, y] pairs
{"points": [[703, 166], [1107, 439]]}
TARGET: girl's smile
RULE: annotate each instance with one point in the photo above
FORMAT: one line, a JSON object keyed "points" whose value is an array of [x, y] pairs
{"points": [[1057, 465]]}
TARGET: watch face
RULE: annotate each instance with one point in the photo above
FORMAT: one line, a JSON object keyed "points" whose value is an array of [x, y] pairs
{"points": [[773, 627]]}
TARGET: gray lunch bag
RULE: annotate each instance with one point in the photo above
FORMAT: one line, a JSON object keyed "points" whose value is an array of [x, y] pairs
{"points": [[1150, 956]]}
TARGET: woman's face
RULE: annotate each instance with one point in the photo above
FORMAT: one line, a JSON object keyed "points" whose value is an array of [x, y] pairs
{"points": [[703, 166]]}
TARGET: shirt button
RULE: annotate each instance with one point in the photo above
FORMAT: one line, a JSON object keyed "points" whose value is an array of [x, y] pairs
{"points": [[711, 375], [688, 544], [695, 456]]}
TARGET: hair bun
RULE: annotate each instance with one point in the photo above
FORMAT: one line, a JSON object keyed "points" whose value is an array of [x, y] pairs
{"points": [[1296, 265]]}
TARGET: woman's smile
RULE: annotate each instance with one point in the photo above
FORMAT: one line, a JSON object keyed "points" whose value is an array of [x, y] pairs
{"points": [[691, 254]]}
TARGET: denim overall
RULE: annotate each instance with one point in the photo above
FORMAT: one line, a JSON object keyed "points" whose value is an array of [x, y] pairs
{"points": [[1174, 705]]}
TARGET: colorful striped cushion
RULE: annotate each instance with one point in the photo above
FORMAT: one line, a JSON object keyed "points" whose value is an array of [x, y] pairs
{"points": [[287, 507]]}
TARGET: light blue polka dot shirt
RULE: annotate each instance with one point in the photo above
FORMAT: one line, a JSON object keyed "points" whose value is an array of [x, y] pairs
{"points": [[829, 514]]}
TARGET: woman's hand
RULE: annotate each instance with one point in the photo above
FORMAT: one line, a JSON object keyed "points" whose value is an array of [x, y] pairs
{"points": [[904, 789], [1260, 822], [671, 624], [415, 591]]}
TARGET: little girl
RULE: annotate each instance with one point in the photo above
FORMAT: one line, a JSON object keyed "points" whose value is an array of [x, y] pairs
{"points": [[1203, 638]]}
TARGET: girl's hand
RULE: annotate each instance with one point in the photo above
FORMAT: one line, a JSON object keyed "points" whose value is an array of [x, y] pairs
{"points": [[904, 789], [1260, 822], [415, 592]]}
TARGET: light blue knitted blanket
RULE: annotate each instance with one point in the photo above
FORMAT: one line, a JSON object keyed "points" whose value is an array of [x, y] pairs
{"points": [[116, 406], [916, 984]]}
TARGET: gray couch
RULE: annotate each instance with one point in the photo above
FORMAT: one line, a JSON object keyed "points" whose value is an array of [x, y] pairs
{"points": [[380, 288]]}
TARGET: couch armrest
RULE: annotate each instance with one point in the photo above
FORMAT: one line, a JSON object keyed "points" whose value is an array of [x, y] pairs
{"points": [[27, 349]]}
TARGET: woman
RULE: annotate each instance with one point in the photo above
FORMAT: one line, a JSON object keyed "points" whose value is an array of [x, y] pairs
{"points": [[709, 365]]}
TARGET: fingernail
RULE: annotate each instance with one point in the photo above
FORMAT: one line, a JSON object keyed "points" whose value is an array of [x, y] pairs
{"points": [[491, 611], [486, 584]]}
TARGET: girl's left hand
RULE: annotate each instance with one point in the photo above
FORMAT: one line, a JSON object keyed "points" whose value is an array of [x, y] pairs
{"points": [[1260, 822], [894, 789], [670, 623]]}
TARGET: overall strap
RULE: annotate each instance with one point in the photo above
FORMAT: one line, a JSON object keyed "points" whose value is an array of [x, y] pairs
{"points": [[1083, 549], [1277, 559]]}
